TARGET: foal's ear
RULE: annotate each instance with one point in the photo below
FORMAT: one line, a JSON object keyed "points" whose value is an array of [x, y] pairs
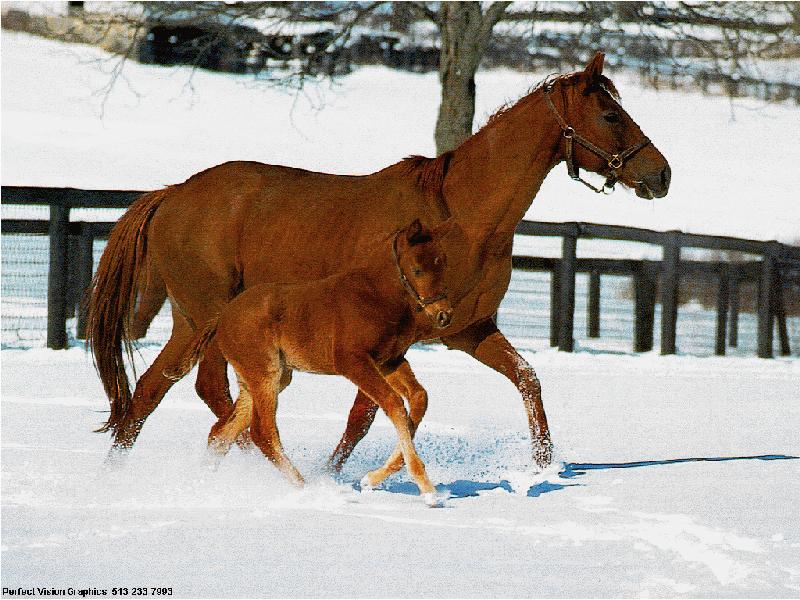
{"points": [[595, 68], [415, 232]]}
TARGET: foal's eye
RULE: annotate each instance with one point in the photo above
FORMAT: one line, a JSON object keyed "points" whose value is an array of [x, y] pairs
{"points": [[611, 117], [417, 272]]}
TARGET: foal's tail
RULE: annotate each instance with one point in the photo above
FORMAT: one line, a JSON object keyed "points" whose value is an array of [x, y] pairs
{"points": [[195, 352], [112, 302]]}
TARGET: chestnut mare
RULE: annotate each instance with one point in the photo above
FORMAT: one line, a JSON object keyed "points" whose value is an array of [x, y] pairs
{"points": [[358, 324], [241, 223]]}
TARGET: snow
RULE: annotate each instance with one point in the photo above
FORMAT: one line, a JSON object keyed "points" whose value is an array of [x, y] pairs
{"points": [[675, 476], [654, 526]]}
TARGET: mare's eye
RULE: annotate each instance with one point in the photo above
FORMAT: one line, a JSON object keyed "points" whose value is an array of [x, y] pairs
{"points": [[611, 117], [417, 272]]}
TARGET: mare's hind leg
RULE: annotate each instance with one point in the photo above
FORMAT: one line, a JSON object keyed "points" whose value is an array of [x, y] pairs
{"points": [[405, 383], [265, 388], [152, 296], [151, 387], [365, 374]]}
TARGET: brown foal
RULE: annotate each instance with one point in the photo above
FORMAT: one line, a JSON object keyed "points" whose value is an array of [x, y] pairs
{"points": [[358, 324]]}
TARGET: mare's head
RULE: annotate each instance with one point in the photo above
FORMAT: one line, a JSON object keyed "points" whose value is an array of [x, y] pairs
{"points": [[586, 105], [421, 263]]}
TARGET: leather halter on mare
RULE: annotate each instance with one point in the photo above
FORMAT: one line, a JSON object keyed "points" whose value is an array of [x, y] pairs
{"points": [[615, 161], [422, 302]]}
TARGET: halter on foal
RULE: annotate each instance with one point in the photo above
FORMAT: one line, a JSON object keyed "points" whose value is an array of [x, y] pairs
{"points": [[358, 324]]}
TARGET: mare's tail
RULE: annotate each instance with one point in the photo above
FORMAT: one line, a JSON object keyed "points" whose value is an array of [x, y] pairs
{"points": [[112, 302], [195, 352]]}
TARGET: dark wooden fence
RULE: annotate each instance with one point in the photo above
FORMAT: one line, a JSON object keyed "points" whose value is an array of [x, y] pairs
{"points": [[71, 244]]}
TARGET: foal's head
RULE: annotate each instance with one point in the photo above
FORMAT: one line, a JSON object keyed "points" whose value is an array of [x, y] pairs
{"points": [[588, 106], [421, 262]]}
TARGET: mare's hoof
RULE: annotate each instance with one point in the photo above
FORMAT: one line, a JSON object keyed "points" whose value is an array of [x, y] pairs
{"points": [[433, 500], [543, 454]]}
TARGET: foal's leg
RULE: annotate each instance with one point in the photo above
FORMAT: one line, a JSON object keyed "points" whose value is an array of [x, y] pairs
{"points": [[225, 431], [232, 427], [265, 388], [365, 374], [405, 383], [485, 342], [212, 387]]}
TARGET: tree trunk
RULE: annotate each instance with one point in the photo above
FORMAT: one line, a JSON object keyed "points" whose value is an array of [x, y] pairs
{"points": [[465, 33]]}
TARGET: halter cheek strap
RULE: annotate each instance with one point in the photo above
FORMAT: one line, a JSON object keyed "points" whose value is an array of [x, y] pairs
{"points": [[615, 161], [421, 301]]}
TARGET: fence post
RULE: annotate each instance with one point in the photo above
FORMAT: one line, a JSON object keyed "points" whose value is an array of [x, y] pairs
{"points": [[569, 246], [555, 305], [85, 260], [670, 277], [593, 306], [780, 316], [57, 287], [73, 293], [766, 303], [733, 294], [644, 281], [723, 293]]}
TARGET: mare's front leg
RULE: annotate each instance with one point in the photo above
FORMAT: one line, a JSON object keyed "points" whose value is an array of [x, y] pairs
{"points": [[365, 374], [485, 342]]}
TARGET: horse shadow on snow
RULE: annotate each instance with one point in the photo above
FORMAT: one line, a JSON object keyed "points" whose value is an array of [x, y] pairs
{"points": [[567, 477]]}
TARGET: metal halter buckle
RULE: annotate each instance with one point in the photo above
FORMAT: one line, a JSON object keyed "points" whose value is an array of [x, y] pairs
{"points": [[615, 161]]}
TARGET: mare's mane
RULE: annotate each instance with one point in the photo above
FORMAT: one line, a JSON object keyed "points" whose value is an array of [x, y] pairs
{"points": [[429, 173], [567, 79]]}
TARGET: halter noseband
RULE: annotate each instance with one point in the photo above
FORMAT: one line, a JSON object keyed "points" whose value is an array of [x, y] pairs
{"points": [[422, 302], [615, 161]]}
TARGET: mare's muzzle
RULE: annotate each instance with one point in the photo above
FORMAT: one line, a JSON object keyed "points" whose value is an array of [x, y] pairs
{"points": [[654, 185]]}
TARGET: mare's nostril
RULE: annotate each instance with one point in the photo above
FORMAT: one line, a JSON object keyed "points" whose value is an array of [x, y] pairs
{"points": [[443, 318], [666, 174]]}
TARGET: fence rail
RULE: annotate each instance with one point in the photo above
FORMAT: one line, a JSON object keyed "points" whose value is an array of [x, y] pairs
{"points": [[71, 251]]}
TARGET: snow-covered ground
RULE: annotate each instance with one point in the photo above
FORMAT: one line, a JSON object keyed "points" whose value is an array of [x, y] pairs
{"points": [[675, 475], [661, 522]]}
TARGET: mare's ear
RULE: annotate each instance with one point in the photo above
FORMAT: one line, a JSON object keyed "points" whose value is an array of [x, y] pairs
{"points": [[595, 68]]}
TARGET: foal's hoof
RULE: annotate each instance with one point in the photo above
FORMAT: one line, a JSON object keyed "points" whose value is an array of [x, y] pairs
{"points": [[366, 485], [433, 500]]}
